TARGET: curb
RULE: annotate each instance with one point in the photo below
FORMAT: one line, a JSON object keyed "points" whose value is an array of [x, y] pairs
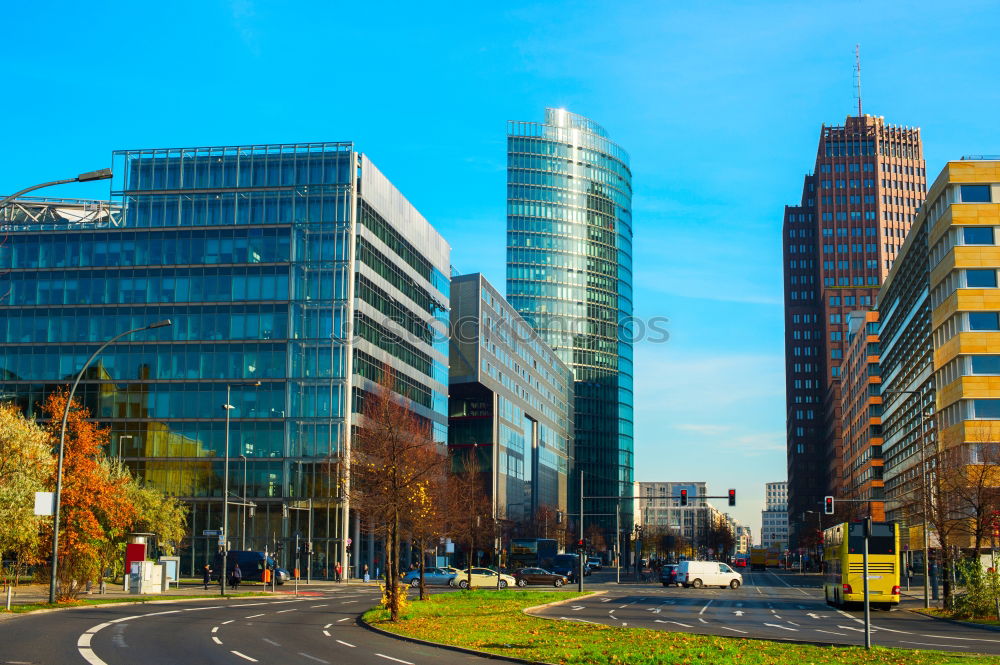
{"points": [[46, 610], [957, 622], [449, 647]]}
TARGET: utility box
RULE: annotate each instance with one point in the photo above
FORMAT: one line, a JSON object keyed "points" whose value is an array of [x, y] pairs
{"points": [[146, 577]]}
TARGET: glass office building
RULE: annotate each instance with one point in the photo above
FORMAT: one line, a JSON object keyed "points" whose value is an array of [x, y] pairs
{"points": [[262, 256], [511, 401], [569, 274]]}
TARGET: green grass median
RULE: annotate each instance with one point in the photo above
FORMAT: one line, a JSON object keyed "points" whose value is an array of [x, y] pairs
{"points": [[493, 621]]}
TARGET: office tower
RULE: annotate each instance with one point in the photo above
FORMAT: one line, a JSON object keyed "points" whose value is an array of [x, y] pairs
{"points": [[940, 331], [774, 517], [510, 402], [861, 413], [569, 274], [262, 256], [838, 245]]}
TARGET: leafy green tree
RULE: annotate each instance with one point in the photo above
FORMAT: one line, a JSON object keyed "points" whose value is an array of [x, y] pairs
{"points": [[26, 465]]}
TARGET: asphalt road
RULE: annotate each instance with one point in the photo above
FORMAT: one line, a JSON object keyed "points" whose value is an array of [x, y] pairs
{"points": [[308, 630], [771, 605]]}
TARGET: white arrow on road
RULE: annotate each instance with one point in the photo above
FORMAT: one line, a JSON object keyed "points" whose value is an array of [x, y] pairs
{"points": [[577, 607], [684, 625], [738, 613], [778, 625], [816, 616]]}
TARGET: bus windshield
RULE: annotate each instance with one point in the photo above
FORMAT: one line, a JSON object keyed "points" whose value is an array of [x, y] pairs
{"points": [[881, 541]]}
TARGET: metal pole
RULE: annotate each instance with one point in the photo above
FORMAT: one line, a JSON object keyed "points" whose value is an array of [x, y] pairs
{"points": [[618, 542], [62, 445], [309, 552], [298, 561], [243, 539], [864, 560], [923, 491], [579, 572], [225, 501]]}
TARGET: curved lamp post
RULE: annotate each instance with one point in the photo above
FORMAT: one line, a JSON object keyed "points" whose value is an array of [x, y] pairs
{"points": [[62, 442], [100, 174]]}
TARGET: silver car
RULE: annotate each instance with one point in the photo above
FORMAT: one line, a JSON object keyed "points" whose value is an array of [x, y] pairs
{"points": [[432, 577]]}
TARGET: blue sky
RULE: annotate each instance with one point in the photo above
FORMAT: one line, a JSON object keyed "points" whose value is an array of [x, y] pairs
{"points": [[719, 107]]}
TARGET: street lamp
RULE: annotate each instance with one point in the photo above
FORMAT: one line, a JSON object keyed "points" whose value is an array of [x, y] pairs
{"points": [[100, 174], [925, 415], [243, 537], [62, 441], [225, 489]]}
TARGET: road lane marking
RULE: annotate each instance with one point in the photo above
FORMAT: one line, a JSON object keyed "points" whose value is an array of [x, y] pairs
{"points": [[294, 609], [348, 601], [84, 640], [327, 633], [706, 606], [684, 625], [272, 642], [857, 630], [702, 620], [733, 629], [254, 616], [576, 607], [318, 660], [580, 620], [949, 637], [328, 625], [216, 639], [315, 606], [230, 621], [787, 584], [830, 632], [405, 662], [778, 625], [346, 644], [344, 619], [196, 609], [928, 644], [215, 629], [244, 656], [849, 616]]}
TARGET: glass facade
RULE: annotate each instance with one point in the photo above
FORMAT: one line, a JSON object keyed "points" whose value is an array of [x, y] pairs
{"points": [[569, 274], [298, 266]]}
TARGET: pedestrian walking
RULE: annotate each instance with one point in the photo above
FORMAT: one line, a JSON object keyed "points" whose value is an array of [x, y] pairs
{"points": [[364, 571], [237, 577], [340, 571], [206, 576]]}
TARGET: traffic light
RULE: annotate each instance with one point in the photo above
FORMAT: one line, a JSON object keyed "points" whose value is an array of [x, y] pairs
{"points": [[559, 516], [732, 497], [828, 505], [684, 497]]}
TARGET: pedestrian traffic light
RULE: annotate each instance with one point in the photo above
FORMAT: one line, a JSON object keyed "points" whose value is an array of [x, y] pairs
{"points": [[732, 497], [684, 497], [828, 505]]}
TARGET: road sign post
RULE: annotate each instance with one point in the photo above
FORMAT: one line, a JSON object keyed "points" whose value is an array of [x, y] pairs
{"points": [[864, 566]]}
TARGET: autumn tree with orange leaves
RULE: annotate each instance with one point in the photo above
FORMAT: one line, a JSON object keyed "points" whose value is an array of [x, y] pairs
{"points": [[393, 458], [95, 506]]}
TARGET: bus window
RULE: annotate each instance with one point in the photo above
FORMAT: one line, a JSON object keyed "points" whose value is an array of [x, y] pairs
{"points": [[881, 541]]}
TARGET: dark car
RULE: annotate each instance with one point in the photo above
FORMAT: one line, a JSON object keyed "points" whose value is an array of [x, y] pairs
{"points": [[668, 575], [567, 565], [252, 566], [526, 576]]}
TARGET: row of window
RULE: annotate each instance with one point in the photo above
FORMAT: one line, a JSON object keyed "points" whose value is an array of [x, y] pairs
{"points": [[854, 216]]}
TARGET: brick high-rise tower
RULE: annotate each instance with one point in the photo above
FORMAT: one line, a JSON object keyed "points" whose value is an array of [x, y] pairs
{"points": [[839, 244]]}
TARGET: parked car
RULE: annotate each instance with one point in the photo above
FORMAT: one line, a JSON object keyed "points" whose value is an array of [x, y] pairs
{"points": [[432, 577], [526, 576], [481, 577], [594, 562], [707, 573], [668, 574]]}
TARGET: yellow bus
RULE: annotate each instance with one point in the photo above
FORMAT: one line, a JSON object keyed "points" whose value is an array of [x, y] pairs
{"points": [[843, 547], [773, 557]]}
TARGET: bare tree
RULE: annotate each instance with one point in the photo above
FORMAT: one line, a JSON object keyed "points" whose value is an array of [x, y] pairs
{"points": [[972, 478], [426, 522], [469, 508], [393, 456]]}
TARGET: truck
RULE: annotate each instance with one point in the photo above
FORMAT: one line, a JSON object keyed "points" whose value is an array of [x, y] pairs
{"points": [[773, 557], [758, 558]]}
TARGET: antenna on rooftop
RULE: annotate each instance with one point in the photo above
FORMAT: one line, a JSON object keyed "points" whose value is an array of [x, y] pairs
{"points": [[857, 75]]}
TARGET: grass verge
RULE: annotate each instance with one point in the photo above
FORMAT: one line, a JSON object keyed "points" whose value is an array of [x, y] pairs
{"points": [[943, 614], [493, 621], [85, 602]]}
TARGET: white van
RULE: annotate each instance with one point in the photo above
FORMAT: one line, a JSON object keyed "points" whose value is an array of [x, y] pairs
{"points": [[707, 573]]}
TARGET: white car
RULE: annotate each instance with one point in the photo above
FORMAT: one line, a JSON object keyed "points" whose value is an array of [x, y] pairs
{"points": [[707, 573], [481, 577]]}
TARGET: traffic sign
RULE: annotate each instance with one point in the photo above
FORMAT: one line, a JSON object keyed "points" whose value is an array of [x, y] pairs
{"points": [[212, 532]]}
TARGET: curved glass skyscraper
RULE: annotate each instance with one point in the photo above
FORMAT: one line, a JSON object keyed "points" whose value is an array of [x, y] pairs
{"points": [[569, 273]]}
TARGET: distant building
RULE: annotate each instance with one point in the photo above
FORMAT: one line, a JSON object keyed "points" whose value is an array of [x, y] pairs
{"points": [[774, 517], [839, 242], [660, 510], [510, 399]]}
